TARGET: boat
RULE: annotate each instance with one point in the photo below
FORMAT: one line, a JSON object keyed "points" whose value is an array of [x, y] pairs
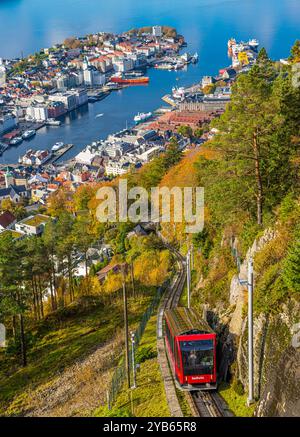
{"points": [[28, 134], [99, 115], [186, 58], [15, 141], [178, 93], [129, 80], [57, 146], [164, 66], [142, 116], [253, 43], [53, 122], [3, 148], [195, 58], [134, 74]]}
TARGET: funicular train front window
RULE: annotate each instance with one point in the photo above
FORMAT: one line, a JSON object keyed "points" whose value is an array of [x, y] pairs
{"points": [[197, 357]]}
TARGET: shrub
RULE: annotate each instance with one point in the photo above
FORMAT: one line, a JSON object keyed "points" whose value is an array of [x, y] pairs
{"points": [[145, 353], [238, 387]]}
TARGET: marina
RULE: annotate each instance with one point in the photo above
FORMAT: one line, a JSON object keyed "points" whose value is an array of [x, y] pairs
{"points": [[80, 126]]}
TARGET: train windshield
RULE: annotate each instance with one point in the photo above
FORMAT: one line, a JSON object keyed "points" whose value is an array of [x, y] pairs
{"points": [[197, 357]]}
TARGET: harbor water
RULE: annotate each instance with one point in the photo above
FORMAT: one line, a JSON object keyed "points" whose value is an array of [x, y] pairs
{"points": [[28, 25]]}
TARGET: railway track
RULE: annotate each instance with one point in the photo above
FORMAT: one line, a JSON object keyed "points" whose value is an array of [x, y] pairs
{"points": [[202, 403]]}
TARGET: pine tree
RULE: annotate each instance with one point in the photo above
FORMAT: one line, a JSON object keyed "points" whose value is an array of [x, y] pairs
{"points": [[254, 142], [291, 271]]}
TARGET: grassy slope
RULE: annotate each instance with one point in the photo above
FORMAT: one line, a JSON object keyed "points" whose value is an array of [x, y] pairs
{"points": [[58, 343], [236, 403], [148, 399]]}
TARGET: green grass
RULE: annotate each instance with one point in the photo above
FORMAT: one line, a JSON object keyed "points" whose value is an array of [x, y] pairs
{"points": [[148, 399], [236, 403], [58, 342]]}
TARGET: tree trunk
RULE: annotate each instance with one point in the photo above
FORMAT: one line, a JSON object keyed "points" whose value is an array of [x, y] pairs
{"points": [[34, 299], [70, 278], [53, 306], [23, 342], [14, 327], [41, 297], [259, 195], [132, 279]]}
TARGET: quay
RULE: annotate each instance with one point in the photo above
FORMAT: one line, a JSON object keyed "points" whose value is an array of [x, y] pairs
{"points": [[59, 153]]}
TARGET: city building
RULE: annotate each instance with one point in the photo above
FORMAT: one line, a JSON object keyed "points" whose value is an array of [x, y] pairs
{"points": [[68, 98], [56, 109], [7, 220], [37, 112], [14, 193], [33, 225], [122, 64], [92, 76], [2, 74], [116, 168], [7, 122], [157, 31]]}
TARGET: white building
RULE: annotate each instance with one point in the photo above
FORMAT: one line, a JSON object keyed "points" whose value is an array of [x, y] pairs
{"points": [[157, 31], [2, 74], [207, 80], [69, 99], [149, 154], [116, 168], [92, 76], [37, 112], [122, 64], [81, 96]]}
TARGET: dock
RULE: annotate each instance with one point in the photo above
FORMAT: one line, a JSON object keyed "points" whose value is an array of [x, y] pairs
{"points": [[56, 155]]}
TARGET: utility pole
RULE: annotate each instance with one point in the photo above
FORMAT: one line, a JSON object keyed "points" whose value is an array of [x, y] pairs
{"points": [[192, 257], [250, 332], [133, 359], [188, 278], [126, 330]]}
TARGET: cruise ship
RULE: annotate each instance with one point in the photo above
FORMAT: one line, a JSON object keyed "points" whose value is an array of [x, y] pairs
{"points": [[28, 134]]}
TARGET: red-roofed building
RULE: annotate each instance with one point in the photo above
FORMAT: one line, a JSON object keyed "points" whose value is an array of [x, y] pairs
{"points": [[7, 220]]}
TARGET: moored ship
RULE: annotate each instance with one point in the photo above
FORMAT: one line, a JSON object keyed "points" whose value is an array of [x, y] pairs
{"points": [[129, 80], [16, 141], [28, 134], [143, 116], [57, 146]]}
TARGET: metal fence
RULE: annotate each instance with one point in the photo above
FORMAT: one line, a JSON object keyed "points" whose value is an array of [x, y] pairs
{"points": [[119, 374]]}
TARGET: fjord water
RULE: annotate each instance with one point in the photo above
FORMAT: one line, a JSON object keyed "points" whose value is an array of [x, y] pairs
{"points": [[28, 25]]}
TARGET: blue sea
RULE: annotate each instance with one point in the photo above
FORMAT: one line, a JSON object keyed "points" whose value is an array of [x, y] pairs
{"points": [[27, 26]]}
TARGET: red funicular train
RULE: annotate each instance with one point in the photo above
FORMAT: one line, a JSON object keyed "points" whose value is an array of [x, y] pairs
{"points": [[191, 346]]}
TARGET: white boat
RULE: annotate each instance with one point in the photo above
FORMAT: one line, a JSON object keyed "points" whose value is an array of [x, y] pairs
{"points": [[253, 43], [165, 66], [142, 116], [28, 134], [53, 122], [195, 58], [186, 57], [178, 93], [99, 115], [15, 141], [57, 146]]}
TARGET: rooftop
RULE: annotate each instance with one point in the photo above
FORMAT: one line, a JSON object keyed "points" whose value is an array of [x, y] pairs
{"points": [[36, 220]]}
